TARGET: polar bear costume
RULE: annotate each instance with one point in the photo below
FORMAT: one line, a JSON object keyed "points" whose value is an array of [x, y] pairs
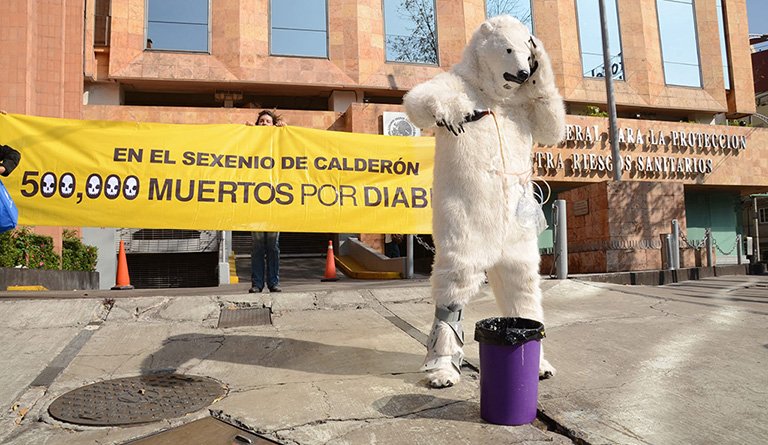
{"points": [[489, 108]]}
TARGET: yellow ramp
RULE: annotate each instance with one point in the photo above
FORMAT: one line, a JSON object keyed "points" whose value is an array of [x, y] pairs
{"points": [[353, 269]]}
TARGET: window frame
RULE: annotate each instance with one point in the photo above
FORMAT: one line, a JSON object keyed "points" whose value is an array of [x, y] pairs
{"points": [[401, 62], [722, 29], [327, 55], [698, 50], [621, 44], [762, 215], [103, 41], [186, 51]]}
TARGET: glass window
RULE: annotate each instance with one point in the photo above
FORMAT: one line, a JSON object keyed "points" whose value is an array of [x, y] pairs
{"points": [[591, 38], [101, 23], [679, 45], [177, 25], [764, 216], [723, 46], [520, 9], [410, 31], [299, 28]]}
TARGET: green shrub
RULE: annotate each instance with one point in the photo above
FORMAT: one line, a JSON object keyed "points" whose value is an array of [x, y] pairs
{"points": [[21, 247], [592, 110], [75, 255], [738, 123], [7, 255]]}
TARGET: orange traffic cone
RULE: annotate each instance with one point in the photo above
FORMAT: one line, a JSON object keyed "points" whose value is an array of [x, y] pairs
{"points": [[330, 264], [123, 281]]}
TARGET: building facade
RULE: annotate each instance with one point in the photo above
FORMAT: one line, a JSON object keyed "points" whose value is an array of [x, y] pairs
{"points": [[681, 71]]}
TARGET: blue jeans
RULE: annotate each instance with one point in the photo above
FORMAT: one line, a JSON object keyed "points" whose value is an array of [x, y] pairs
{"points": [[265, 244], [392, 250]]}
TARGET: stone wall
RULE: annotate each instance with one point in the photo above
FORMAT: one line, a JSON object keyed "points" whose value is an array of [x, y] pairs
{"points": [[50, 279], [616, 226]]}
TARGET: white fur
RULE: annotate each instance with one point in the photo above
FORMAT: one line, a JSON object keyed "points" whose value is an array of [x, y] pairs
{"points": [[478, 183]]}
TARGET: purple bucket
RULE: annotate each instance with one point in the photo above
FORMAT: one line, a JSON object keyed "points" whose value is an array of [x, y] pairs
{"points": [[509, 369]]}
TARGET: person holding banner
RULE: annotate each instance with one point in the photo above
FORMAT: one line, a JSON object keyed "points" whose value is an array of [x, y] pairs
{"points": [[269, 118], [392, 245], [9, 214], [9, 159], [266, 244]]}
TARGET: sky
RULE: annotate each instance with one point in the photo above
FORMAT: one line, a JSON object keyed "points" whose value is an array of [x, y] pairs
{"points": [[757, 15]]}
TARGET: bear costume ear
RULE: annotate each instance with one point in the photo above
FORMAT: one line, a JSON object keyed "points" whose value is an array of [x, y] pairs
{"points": [[486, 28]]}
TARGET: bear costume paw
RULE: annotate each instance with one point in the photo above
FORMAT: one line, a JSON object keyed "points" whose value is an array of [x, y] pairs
{"points": [[443, 377], [452, 113], [546, 370]]}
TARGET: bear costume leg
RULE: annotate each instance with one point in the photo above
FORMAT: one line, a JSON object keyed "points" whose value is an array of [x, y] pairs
{"points": [[454, 283], [516, 285]]}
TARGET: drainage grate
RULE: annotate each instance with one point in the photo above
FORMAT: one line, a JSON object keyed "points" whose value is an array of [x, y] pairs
{"points": [[133, 400], [244, 316], [206, 431]]}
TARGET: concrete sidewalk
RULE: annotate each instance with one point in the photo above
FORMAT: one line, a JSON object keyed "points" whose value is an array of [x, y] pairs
{"points": [[680, 364]]}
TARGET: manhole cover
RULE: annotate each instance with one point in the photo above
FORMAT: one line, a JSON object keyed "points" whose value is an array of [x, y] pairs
{"points": [[244, 316], [134, 400]]}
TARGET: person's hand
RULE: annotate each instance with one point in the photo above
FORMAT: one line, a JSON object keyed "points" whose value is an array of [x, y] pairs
{"points": [[250, 124], [280, 123], [3, 112]]}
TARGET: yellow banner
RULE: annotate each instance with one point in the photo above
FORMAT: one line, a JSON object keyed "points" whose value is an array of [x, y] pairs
{"points": [[217, 177]]}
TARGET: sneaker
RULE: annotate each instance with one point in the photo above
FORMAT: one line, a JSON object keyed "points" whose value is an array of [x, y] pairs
{"points": [[275, 289], [254, 290]]}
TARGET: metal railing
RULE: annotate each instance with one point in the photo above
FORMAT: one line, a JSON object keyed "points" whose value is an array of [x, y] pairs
{"points": [[168, 241], [761, 117], [734, 254]]}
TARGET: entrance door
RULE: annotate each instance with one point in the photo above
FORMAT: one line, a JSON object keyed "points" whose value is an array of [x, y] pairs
{"points": [[720, 211]]}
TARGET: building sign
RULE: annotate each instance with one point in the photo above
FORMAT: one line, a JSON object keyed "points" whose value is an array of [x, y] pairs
{"points": [[672, 153], [581, 208], [397, 124]]}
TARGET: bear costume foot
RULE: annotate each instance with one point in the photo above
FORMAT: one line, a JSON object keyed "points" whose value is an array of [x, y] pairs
{"points": [[444, 352], [443, 377], [546, 370]]}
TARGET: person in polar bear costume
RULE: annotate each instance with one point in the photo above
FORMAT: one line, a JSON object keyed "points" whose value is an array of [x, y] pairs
{"points": [[489, 109]]}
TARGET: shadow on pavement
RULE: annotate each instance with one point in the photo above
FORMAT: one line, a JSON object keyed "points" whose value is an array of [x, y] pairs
{"points": [[281, 353], [424, 406]]}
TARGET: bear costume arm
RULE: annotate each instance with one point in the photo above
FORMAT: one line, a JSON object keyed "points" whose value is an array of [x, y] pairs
{"points": [[442, 98], [546, 108], [547, 116]]}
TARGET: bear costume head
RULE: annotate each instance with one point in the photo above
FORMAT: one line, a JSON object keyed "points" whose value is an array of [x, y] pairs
{"points": [[503, 65], [500, 57]]}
